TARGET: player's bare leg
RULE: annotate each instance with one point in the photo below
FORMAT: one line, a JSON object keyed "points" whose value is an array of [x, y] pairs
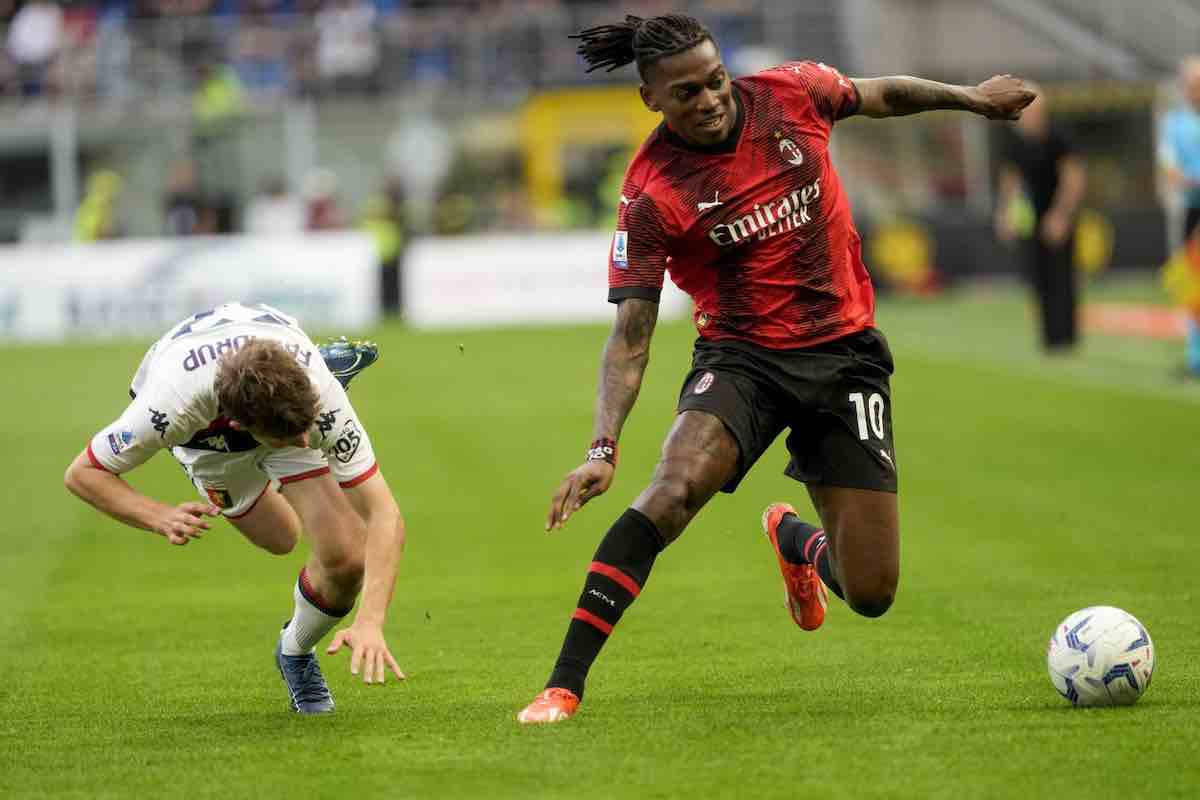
{"points": [[863, 531], [271, 524], [326, 589], [699, 457], [337, 536]]}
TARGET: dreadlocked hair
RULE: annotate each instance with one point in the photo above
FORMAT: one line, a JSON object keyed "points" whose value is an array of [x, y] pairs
{"points": [[642, 40]]}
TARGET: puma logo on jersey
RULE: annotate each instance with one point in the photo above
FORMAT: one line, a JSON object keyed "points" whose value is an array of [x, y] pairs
{"points": [[624, 200], [706, 205]]}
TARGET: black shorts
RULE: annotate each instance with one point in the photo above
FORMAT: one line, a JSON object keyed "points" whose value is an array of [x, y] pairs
{"points": [[834, 397]]}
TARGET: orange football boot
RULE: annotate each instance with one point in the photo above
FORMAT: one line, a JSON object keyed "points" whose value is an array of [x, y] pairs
{"points": [[552, 705], [804, 592]]}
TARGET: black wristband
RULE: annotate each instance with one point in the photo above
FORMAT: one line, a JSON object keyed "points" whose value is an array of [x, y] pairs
{"points": [[603, 450]]}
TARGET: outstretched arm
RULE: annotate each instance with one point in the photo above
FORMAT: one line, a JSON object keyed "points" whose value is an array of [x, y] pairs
{"points": [[626, 355], [110, 494], [999, 97], [370, 654]]}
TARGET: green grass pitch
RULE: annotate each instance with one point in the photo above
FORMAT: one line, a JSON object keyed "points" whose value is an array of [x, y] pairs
{"points": [[1030, 487]]}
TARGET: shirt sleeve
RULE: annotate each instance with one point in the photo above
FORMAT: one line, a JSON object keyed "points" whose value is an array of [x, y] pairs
{"points": [[637, 259], [344, 439], [832, 94], [152, 422]]}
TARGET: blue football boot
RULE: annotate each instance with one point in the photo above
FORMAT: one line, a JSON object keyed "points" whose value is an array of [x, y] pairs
{"points": [[305, 683], [348, 357]]}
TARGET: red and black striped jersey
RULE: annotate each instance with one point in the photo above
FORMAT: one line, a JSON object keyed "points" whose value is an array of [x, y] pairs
{"points": [[756, 230]]}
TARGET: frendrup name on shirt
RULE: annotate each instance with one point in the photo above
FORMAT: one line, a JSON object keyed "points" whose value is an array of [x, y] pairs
{"points": [[769, 219], [197, 357]]}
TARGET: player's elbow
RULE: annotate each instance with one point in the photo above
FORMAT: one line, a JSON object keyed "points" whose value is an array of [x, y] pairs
{"points": [[73, 478], [70, 480]]}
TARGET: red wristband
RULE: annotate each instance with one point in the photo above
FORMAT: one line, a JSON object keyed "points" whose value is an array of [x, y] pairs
{"points": [[603, 450]]}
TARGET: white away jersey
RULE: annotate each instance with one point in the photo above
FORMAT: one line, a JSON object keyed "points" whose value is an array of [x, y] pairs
{"points": [[175, 405]]}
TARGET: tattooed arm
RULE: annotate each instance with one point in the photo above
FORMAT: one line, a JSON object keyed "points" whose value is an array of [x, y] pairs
{"points": [[999, 97], [625, 358]]}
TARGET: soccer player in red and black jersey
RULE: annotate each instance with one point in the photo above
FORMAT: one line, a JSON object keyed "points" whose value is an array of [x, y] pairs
{"points": [[734, 194]]}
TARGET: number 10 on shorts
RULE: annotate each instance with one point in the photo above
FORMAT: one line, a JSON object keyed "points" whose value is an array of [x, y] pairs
{"points": [[868, 409]]}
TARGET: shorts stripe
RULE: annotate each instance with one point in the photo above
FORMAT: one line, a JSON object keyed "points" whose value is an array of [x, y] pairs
{"points": [[252, 505], [583, 615], [303, 476], [350, 484], [95, 461]]}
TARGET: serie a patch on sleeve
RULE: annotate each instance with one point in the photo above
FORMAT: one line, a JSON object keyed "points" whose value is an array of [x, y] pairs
{"points": [[119, 441], [620, 253]]}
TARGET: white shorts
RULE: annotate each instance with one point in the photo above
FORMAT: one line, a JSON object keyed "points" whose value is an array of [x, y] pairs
{"points": [[234, 482]]}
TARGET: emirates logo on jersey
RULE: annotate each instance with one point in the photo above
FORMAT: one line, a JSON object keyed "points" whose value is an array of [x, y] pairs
{"points": [[769, 219]]}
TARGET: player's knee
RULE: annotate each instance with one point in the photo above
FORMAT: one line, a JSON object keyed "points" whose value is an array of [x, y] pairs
{"points": [[670, 504], [346, 570], [673, 492], [872, 595], [346, 564], [872, 605]]}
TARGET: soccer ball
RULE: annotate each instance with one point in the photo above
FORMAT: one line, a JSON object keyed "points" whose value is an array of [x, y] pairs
{"points": [[1100, 656]]}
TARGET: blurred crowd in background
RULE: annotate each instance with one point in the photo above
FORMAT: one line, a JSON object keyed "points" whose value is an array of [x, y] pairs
{"points": [[117, 50], [414, 117]]}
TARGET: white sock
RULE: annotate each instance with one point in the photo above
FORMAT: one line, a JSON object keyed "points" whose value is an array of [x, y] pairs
{"points": [[308, 625]]}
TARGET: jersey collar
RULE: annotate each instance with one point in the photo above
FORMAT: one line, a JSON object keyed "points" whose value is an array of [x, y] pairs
{"points": [[728, 146]]}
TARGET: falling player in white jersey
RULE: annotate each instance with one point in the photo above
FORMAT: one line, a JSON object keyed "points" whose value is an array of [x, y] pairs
{"points": [[250, 407]]}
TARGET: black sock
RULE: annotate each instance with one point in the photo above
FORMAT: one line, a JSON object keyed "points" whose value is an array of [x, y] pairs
{"points": [[801, 543], [615, 577]]}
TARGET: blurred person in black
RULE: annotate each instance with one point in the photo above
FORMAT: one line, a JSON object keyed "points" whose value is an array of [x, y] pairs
{"points": [[386, 220], [1042, 163], [184, 211]]}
